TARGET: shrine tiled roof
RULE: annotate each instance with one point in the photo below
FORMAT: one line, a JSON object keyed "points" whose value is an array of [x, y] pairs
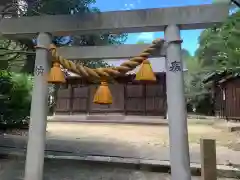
{"points": [[219, 75]]}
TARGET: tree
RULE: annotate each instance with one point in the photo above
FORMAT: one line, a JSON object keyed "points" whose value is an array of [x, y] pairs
{"points": [[36, 7], [196, 92], [185, 54], [219, 46], [14, 88], [9, 60]]}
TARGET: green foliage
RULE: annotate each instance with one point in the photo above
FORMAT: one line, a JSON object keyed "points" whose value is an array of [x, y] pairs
{"points": [[15, 98], [197, 94], [185, 54], [25, 62], [9, 60], [54, 7], [220, 46], [95, 64]]}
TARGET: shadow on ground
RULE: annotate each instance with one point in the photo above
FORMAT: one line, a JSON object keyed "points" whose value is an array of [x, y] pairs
{"points": [[81, 147], [13, 169], [110, 148]]}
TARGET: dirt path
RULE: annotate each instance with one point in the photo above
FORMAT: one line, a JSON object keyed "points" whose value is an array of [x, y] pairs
{"points": [[136, 141], [141, 134], [147, 141]]}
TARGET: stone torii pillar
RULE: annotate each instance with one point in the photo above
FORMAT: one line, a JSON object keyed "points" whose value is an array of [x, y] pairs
{"points": [[177, 117], [39, 107]]}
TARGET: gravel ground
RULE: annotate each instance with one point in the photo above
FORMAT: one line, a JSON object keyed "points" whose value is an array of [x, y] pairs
{"points": [[74, 170], [138, 141], [142, 134], [139, 134], [149, 137]]}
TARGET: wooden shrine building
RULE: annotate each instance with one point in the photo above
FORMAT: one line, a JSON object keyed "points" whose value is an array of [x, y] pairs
{"points": [[225, 88], [130, 97]]}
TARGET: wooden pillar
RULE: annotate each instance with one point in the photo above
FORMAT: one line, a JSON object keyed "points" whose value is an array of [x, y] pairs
{"points": [[125, 98], [89, 100], [145, 98], [208, 159], [55, 97], [164, 91], [71, 98], [213, 98]]}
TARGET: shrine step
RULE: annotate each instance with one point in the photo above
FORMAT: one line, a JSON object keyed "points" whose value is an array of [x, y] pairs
{"points": [[86, 117], [109, 117]]}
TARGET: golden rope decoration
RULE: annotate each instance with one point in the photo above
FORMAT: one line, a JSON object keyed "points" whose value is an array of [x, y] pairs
{"points": [[99, 73]]}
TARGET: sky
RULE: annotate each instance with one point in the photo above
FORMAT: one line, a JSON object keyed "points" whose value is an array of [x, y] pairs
{"points": [[190, 37]]}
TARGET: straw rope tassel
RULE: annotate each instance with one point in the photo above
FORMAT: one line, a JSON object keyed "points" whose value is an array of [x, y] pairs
{"points": [[56, 74], [103, 94], [145, 72]]}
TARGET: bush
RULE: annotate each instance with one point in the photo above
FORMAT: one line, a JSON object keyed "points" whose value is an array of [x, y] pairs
{"points": [[15, 98]]}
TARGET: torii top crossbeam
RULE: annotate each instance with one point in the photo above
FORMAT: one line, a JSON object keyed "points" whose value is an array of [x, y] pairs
{"points": [[146, 20]]}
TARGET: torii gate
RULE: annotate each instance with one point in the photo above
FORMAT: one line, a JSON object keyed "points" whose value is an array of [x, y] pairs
{"points": [[169, 20]]}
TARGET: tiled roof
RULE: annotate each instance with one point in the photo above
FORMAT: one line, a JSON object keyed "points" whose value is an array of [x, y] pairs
{"points": [[218, 75]]}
